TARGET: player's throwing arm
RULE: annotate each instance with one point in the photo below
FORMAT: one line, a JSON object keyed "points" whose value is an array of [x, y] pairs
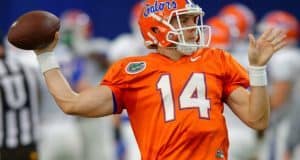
{"points": [[38, 31]]}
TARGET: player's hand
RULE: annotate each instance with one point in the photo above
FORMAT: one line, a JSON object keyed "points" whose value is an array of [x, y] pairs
{"points": [[262, 49], [50, 47]]}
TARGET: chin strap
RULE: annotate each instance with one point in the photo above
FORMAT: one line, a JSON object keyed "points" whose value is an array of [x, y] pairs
{"points": [[186, 50]]}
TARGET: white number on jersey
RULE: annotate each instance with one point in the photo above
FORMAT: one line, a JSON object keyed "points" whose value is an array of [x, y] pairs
{"points": [[193, 95]]}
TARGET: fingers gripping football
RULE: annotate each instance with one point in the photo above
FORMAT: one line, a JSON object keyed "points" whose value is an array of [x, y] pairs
{"points": [[262, 49]]}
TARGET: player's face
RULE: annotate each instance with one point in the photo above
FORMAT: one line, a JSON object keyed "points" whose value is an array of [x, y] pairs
{"points": [[187, 21]]}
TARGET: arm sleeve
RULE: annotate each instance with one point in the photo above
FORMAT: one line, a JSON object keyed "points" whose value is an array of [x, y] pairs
{"points": [[115, 80], [234, 74]]}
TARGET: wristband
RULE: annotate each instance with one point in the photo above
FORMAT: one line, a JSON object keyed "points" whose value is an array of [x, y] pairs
{"points": [[47, 61], [258, 75]]}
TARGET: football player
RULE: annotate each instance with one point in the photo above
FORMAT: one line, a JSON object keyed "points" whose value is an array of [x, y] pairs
{"points": [[284, 71], [174, 96]]}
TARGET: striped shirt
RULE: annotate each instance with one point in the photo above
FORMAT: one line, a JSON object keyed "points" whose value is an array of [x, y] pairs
{"points": [[19, 88]]}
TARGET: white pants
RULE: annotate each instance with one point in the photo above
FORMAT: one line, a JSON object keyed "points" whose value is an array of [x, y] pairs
{"points": [[242, 139], [98, 138], [60, 140], [296, 155], [132, 150], [275, 142], [242, 144]]}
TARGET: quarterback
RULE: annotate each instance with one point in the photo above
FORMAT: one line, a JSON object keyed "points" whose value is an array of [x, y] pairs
{"points": [[174, 96]]}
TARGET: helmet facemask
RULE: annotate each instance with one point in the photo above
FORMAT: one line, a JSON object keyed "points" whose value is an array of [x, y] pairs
{"points": [[176, 34]]}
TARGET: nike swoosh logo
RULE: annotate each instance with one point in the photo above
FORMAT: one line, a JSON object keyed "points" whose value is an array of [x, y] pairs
{"points": [[193, 59]]}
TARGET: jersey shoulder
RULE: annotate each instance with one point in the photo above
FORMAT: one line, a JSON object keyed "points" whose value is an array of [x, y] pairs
{"points": [[130, 66], [213, 55], [212, 52]]}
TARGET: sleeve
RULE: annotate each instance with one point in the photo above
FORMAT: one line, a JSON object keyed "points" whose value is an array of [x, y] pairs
{"points": [[115, 80], [234, 74]]}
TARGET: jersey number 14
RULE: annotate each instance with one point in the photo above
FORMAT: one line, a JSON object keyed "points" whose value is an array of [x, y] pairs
{"points": [[193, 95]]}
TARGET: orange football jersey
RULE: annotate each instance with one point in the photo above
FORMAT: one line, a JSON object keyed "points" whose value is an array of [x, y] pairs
{"points": [[176, 107]]}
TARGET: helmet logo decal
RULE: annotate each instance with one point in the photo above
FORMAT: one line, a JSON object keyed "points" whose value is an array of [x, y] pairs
{"points": [[159, 6], [135, 67]]}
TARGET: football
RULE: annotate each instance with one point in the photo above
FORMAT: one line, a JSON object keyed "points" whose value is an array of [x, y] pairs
{"points": [[33, 30]]}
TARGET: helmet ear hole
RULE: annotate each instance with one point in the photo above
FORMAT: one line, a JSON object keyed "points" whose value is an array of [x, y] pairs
{"points": [[153, 46], [154, 29], [173, 36]]}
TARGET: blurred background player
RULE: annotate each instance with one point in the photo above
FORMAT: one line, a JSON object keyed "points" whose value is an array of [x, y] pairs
{"points": [[240, 18], [19, 108], [220, 33], [129, 44], [88, 62], [125, 45], [284, 72], [76, 30], [292, 150], [230, 29], [97, 133], [241, 21]]}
